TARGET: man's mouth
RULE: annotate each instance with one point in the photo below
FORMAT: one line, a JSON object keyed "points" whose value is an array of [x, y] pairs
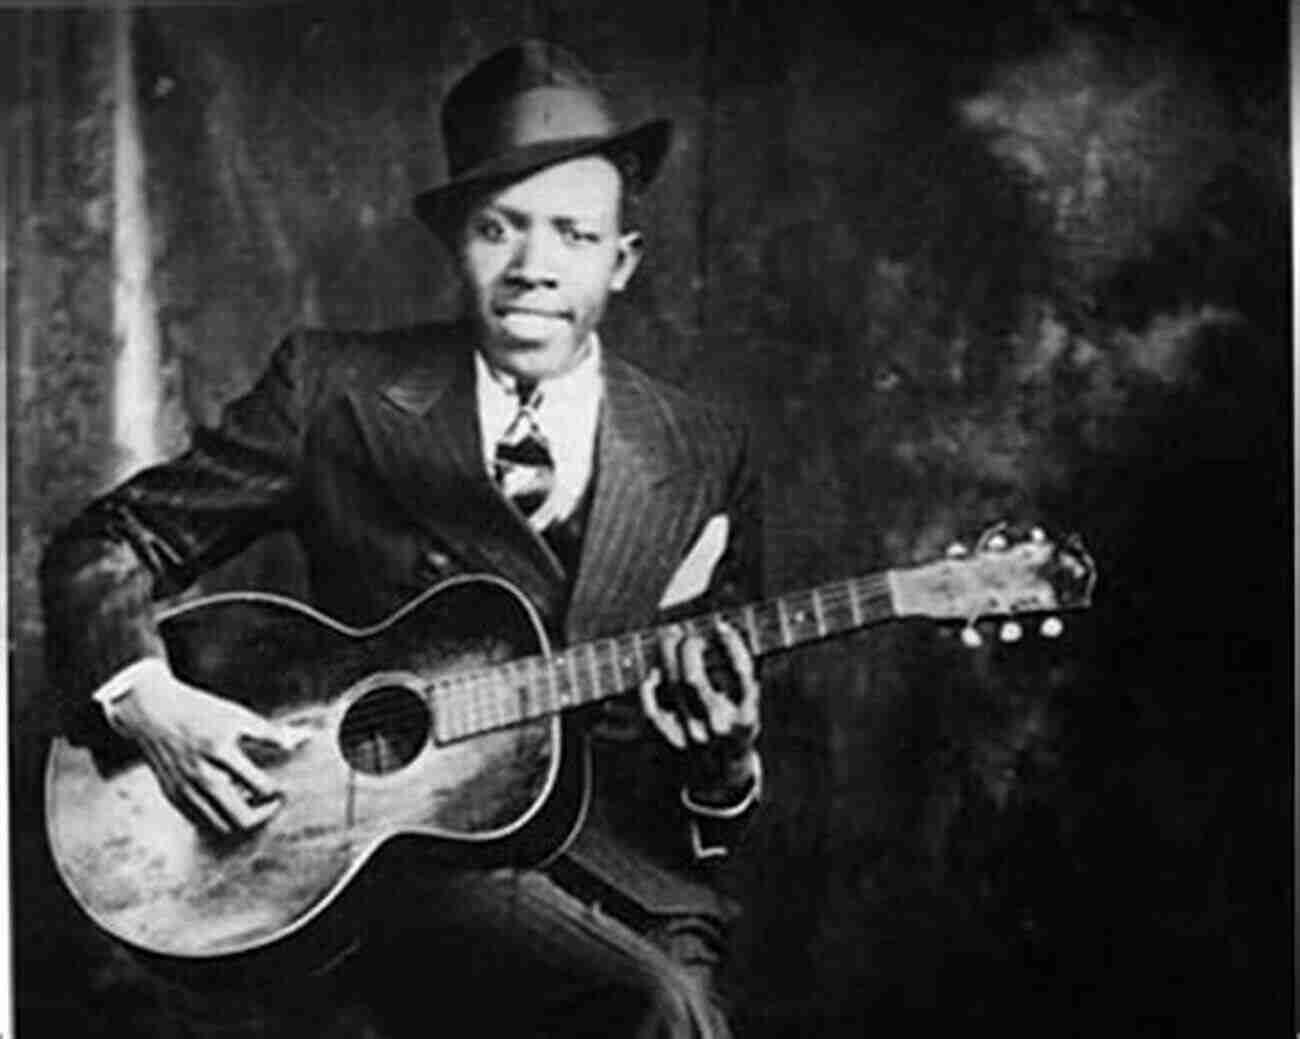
{"points": [[512, 309], [530, 323]]}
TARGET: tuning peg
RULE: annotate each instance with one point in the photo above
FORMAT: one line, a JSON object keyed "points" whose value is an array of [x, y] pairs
{"points": [[1051, 627], [970, 638], [957, 550], [994, 539], [1011, 631]]}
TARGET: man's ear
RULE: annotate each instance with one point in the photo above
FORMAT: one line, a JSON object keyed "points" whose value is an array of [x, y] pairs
{"points": [[631, 246]]}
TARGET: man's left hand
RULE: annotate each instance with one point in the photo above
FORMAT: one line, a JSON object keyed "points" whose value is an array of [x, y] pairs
{"points": [[717, 727]]}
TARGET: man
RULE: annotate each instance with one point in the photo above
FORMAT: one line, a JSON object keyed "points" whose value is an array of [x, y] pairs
{"points": [[510, 443]]}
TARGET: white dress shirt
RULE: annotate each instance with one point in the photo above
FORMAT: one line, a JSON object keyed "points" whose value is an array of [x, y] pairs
{"points": [[567, 416]]}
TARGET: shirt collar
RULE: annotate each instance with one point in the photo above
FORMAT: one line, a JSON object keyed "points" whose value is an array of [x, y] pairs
{"points": [[577, 388]]}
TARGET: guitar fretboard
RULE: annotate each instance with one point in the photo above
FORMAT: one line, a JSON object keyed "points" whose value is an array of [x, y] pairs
{"points": [[481, 699]]}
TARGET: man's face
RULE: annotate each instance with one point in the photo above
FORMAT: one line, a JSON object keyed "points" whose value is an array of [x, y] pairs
{"points": [[541, 258]]}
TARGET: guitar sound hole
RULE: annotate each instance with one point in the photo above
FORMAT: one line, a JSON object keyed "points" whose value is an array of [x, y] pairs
{"points": [[384, 730]]}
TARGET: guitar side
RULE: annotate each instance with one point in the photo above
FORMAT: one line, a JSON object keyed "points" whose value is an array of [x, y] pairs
{"points": [[368, 770], [496, 789]]}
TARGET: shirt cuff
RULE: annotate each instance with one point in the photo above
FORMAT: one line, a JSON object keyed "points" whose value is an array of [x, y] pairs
{"points": [[110, 694], [751, 797], [703, 813], [703, 851], [729, 812]]}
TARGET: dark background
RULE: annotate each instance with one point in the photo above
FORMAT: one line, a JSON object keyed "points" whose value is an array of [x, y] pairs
{"points": [[1029, 261]]}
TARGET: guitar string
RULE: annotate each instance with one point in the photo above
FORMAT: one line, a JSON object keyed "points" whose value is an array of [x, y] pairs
{"points": [[480, 699], [616, 657], [486, 698], [483, 696]]}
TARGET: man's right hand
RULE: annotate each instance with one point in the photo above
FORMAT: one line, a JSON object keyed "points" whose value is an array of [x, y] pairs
{"points": [[191, 740]]}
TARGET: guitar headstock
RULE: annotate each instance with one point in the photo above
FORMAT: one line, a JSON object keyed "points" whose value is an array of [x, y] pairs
{"points": [[1005, 576]]}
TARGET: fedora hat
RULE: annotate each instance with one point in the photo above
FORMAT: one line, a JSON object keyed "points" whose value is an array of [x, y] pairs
{"points": [[527, 106]]}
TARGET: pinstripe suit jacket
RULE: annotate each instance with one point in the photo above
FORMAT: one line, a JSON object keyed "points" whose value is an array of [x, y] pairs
{"points": [[366, 446]]}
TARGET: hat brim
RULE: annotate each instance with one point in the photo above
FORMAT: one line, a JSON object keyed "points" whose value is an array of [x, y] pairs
{"points": [[441, 206]]}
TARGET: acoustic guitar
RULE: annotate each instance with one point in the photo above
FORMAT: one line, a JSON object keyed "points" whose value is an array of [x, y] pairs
{"points": [[451, 721]]}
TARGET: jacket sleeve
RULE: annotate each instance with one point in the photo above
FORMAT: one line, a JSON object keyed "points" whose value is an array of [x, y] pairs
{"points": [[154, 534], [715, 813]]}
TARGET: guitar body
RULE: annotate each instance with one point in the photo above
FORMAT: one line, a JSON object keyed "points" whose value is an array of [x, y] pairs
{"points": [[370, 770], [420, 732]]}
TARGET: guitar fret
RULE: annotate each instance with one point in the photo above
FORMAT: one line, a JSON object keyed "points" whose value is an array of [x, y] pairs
{"points": [[491, 706], [501, 690], [645, 643], [798, 617], [592, 673], [783, 622], [607, 668], [617, 659], [472, 712], [769, 626], [572, 694], [441, 710], [487, 692], [460, 708], [561, 676], [539, 680], [521, 694], [460, 692], [490, 688], [880, 598], [516, 696], [755, 643], [522, 701], [629, 657], [839, 615], [498, 687], [461, 722], [546, 685], [818, 614], [531, 696], [491, 692], [617, 681], [855, 607], [579, 696]]}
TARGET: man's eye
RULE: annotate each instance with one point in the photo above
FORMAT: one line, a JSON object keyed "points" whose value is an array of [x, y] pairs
{"points": [[489, 230], [578, 236]]}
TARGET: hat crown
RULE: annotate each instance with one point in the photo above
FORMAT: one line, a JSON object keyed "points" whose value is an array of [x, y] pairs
{"points": [[525, 107], [527, 93]]}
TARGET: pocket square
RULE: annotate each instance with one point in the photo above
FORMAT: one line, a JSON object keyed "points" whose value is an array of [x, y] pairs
{"points": [[696, 570]]}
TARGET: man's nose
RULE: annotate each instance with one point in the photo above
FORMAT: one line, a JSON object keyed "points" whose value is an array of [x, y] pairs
{"points": [[533, 264]]}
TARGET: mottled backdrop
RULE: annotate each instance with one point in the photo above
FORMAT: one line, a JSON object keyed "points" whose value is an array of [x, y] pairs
{"points": [[1025, 262]]}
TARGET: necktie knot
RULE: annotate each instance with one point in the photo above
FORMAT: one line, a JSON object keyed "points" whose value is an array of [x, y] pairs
{"points": [[524, 468], [529, 394]]}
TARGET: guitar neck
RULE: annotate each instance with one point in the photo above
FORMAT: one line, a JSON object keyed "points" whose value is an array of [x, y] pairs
{"points": [[532, 687]]}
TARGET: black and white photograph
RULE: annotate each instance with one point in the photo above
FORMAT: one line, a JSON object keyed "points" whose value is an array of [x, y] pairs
{"points": [[686, 519]]}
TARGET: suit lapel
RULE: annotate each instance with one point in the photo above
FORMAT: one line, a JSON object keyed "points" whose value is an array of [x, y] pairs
{"points": [[642, 509], [420, 428]]}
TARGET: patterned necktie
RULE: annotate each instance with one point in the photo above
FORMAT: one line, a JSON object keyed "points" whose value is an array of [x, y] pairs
{"points": [[524, 469]]}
